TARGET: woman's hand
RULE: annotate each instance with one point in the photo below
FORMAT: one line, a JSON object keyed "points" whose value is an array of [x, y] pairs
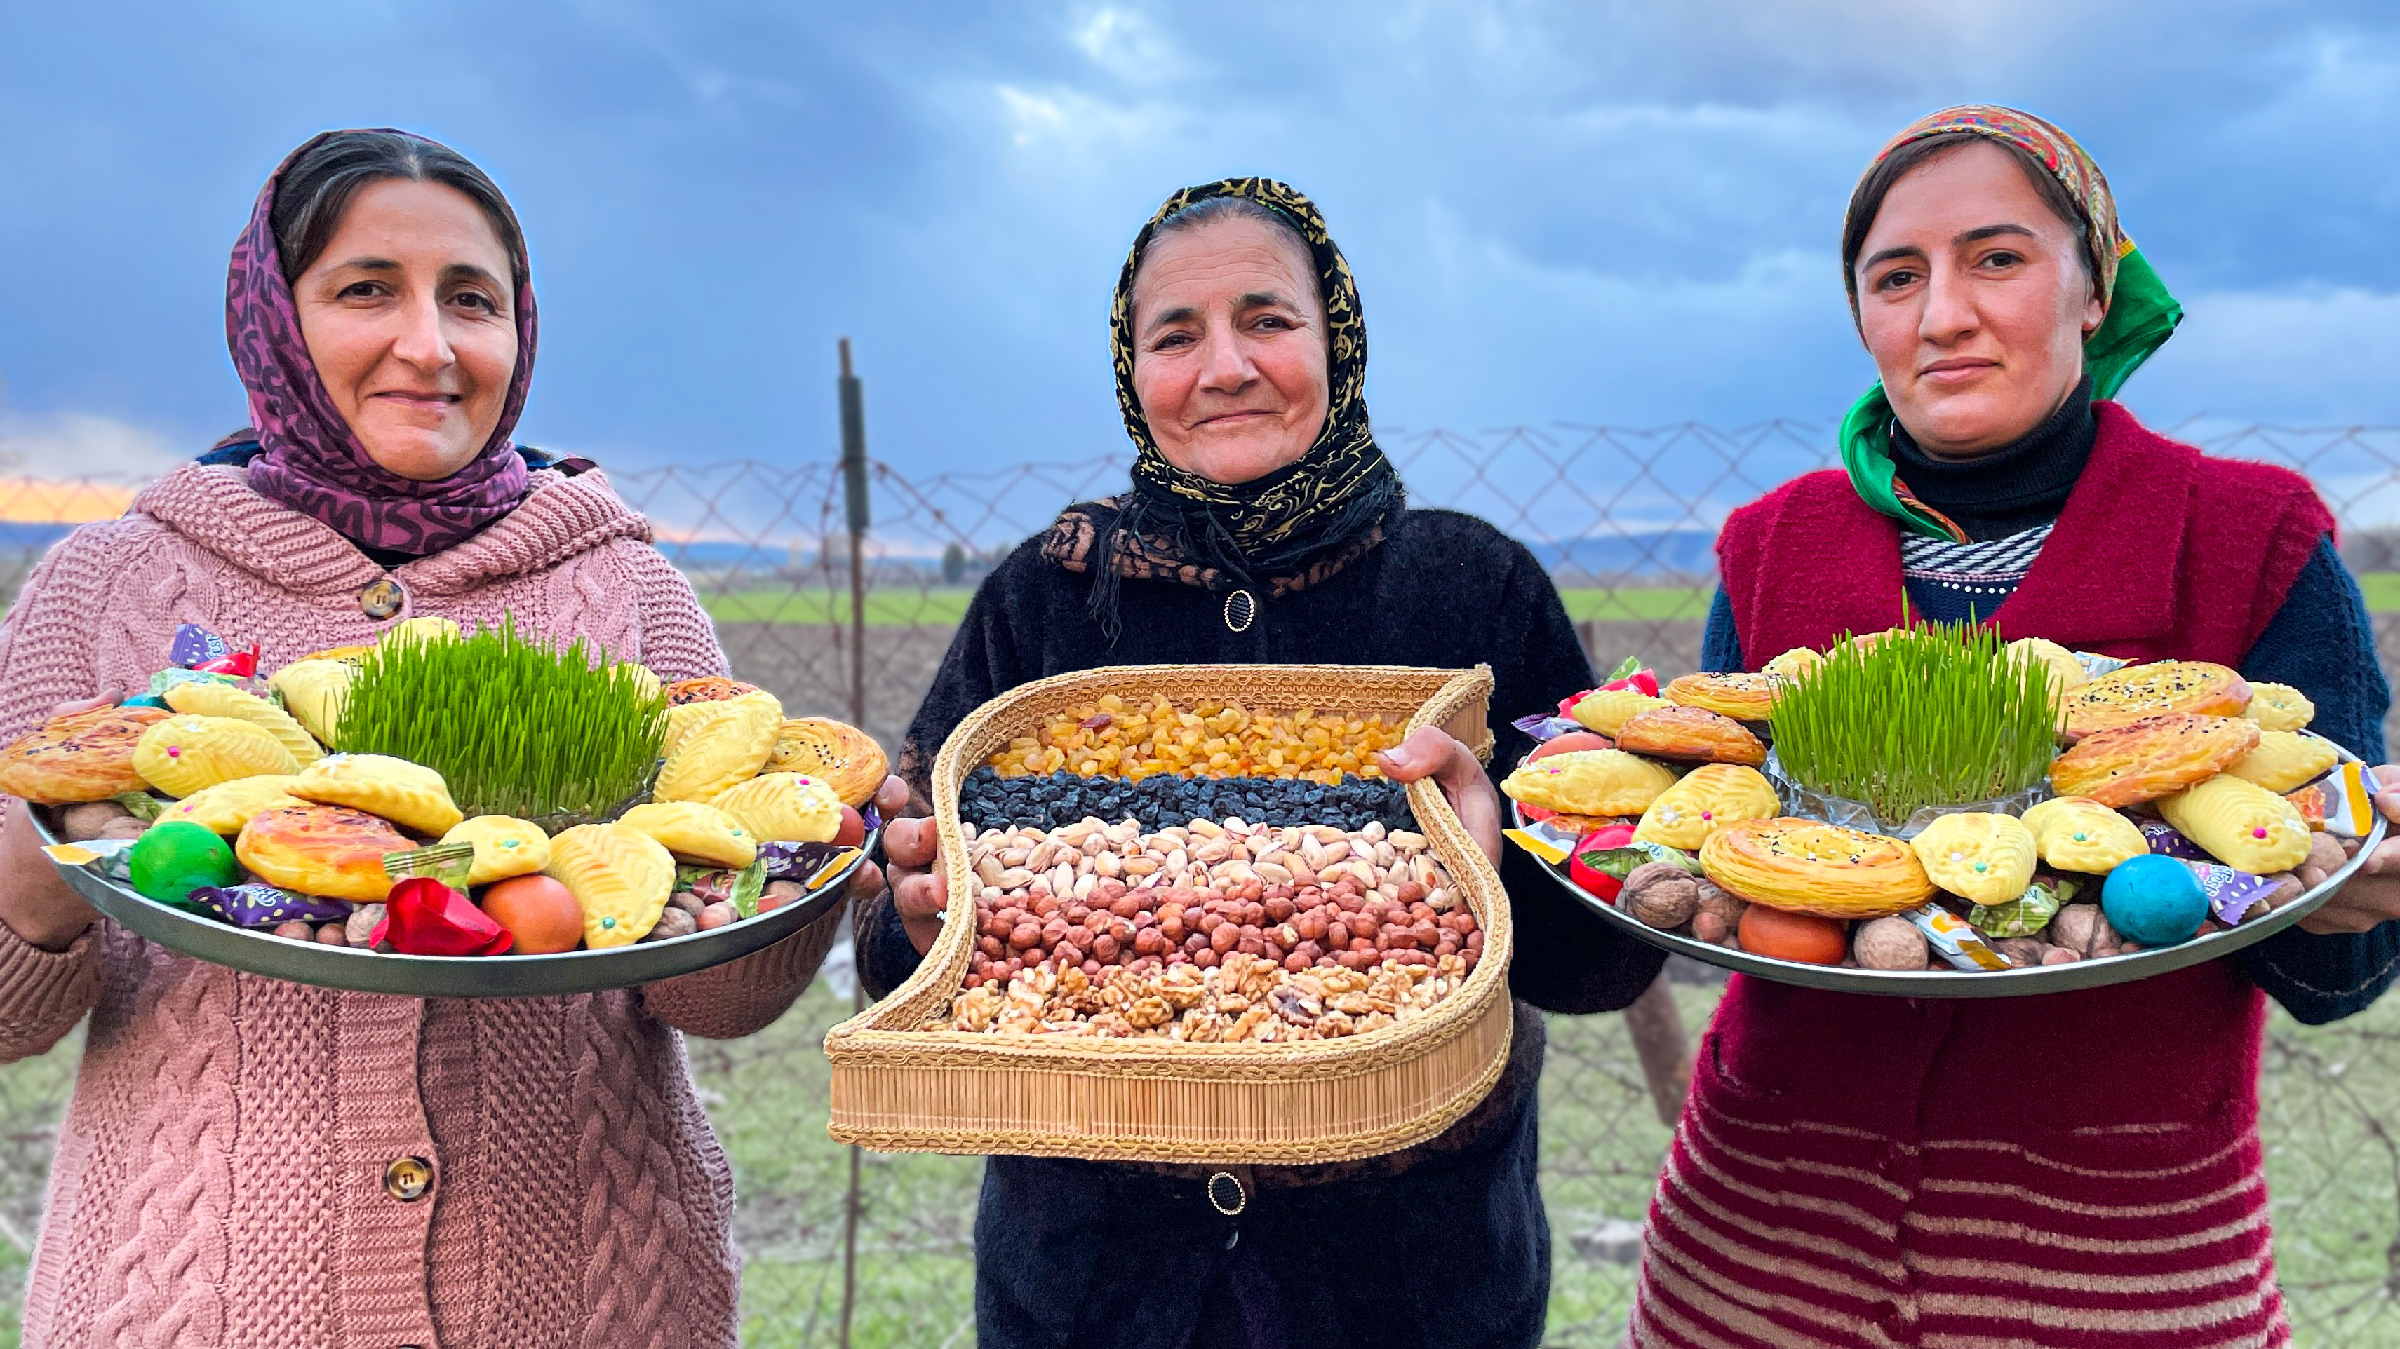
{"points": [[913, 865], [1432, 753], [35, 901], [2372, 896]]}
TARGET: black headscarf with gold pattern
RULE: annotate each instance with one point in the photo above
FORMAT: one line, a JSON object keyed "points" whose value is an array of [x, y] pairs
{"points": [[1336, 497]]}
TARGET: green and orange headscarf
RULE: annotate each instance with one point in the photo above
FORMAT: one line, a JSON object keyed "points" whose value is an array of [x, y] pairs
{"points": [[2141, 314]]}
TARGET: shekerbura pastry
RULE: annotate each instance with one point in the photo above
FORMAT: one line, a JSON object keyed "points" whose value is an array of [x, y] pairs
{"points": [[1606, 710], [1706, 800], [2279, 707], [411, 795], [2151, 757], [721, 744], [1794, 663], [184, 754], [312, 693], [843, 755], [228, 806], [2066, 672], [1590, 782], [1691, 734], [1744, 697], [695, 830], [620, 875], [2138, 691], [2286, 761], [784, 808], [321, 850], [426, 628], [210, 699], [82, 756], [2076, 833], [1982, 856], [504, 846], [1803, 866], [2241, 824]]}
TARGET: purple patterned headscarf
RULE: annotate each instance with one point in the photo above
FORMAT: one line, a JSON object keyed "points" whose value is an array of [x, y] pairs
{"points": [[312, 462]]}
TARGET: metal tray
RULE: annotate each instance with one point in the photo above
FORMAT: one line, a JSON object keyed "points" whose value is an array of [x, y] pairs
{"points": [[1978, 983], [257, 952]]}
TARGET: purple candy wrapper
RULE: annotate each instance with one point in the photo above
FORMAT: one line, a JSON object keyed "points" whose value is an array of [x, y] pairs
{"points": [[2165, 840], [195, 645], [2230, 892], [873, 817], [258, 905], [788, 861], [1545, 729]]}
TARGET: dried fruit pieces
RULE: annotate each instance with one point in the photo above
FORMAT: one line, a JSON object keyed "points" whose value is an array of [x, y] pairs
{"points": [[1138, 738]]}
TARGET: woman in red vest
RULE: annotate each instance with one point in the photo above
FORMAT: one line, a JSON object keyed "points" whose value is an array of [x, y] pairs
{"points": [[2081, 1168]]}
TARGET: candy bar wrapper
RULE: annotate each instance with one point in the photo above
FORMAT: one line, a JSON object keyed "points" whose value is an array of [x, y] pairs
{"points": [[1955, 940], [720, 884], [788, 861], [2310, 802], [141, 805], [2167, 841], [194, 646], [167, 679], [2095, 665], [261, 905], [108, 858], [448, 863], [1544, 840], [2231, 893], [1620, 861], [1545, 729], [2024, 916], [823, 875], [2350, 800]]}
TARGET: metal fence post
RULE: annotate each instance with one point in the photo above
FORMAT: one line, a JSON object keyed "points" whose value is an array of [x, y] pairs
{"points": [[854, 481]]}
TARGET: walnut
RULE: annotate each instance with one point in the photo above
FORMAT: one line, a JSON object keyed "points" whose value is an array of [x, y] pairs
{"points": [[1660, 895]]}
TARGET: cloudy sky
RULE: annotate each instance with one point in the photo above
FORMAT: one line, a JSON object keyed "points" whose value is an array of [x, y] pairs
{"points": [[1617, 212]]}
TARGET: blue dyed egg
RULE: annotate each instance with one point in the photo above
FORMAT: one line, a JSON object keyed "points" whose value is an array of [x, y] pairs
{"points": [[2154, 900]]}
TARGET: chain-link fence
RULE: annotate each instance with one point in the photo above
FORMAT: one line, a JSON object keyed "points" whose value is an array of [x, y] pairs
{"points": [[1624, 520]]}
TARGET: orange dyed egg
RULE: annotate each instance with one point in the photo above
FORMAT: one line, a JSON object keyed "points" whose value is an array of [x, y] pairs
{"points": [[1801, 937], [853, 832], [538, 911], [1569, 743]]}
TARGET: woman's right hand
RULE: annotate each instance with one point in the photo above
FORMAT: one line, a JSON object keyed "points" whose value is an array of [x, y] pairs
{"points": [[920, 889], [35, 901]]}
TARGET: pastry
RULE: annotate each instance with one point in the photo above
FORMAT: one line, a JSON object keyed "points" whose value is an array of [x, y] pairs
{"points": [[1743, 697], [312, 693], [226, 807], [846, 757], [82, 756], [783, 808], [1794, 663], [2138, 691], [721, 744], [1980, 856], [2066, 672], [2286, 761], [504, 846], [707, 689], [1691, 734], [2076, 833], [1803, 866], [2151, 757], [2279, 707], [2241, 824], [184, 754], [1706, 800], [1605, 710], [428, 628], [212, 699], [1590, 782], [411, 795], [620, 876], [695, 830], [321, 850]]}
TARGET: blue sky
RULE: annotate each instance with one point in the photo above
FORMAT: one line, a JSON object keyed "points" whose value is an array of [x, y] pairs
{"points": [[1599, 212]]}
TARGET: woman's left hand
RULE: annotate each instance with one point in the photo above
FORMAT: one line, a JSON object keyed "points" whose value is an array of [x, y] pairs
{"points": [[2372, 896], [1433, 753]]}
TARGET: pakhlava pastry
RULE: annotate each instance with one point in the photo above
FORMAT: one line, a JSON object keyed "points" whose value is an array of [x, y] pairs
{"points": [[847, 758], [619, 875], [723, 743], [1743, 697], [1589, 782], [226, 807], [784, 807], [82, 756], [1978, 855], [408, 794], [2286, 761], [2241, 824], [1690, 734], [185, 753], [2076, 833], [321, 850], [504, 846], [208, 698], [2151, 757], [2279, 707], [1704, 801], [1606, 710], [2138, 691], [1804, 866], [695, 830]]}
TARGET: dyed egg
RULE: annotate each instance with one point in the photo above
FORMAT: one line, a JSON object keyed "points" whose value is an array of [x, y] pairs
{"points": [[853, 833], [538, 911], [1803, 937], [1569, 743], [2154, 900], [174, 858]]}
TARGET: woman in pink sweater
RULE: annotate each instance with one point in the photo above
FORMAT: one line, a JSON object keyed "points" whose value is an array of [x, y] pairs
{"points": [[236, 1167]]}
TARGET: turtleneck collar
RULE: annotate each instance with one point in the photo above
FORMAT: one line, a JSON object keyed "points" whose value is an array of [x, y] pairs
{"points": [[2016, 487]]}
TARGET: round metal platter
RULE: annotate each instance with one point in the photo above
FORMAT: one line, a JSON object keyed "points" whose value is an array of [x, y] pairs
{"points": [[1979, 983], [504, 976]]}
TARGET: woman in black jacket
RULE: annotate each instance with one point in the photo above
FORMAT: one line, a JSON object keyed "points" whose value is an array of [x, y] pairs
{"points": [[1264, 525]]}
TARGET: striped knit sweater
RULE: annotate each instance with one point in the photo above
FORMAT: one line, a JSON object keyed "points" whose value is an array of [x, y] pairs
{"points": [[220, 1175]]}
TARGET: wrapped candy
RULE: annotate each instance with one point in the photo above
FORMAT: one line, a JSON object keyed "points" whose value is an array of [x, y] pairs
{"points": [[424, 917], [2231, 894], [2168, 841], [1954, 939], [740, 888], [789, 861], [260, 905], [2027, 914], [1599, 863]]}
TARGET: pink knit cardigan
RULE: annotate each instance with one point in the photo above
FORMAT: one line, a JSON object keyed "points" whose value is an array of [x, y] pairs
{"points": [[220, 1175]]}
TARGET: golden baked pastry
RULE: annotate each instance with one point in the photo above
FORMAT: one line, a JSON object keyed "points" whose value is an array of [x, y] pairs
{"points": [[2066, 672], [784, 808], [427, 628], [228, 806], [695, 830], [504, 846], [845, 756], [185, 754], [721, 744], [1691, 734], [707, 689], [1589, 782], [2138, 691], [2241, 824], [207, 698], [1706, 800], [411, 795], [82, 756], [2286, 761], [1606, 710], [620, 876], [344, 655], [1978, 855], [2076, 833], [312, 693], [2279, 707], [1743, 697], [321, 850], [2152, 757], [1794, 663], [1804, 866], [645, 679]]}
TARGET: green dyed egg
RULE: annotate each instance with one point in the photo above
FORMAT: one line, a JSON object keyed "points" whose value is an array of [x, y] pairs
{"points": [[171, 860]]}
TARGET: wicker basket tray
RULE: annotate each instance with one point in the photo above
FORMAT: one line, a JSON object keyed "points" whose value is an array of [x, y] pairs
{"points": [[900, 1089]]}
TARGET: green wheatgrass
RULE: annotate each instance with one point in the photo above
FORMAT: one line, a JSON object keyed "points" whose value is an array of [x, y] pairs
{"points": [[1932, 715], [515, 726]]}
